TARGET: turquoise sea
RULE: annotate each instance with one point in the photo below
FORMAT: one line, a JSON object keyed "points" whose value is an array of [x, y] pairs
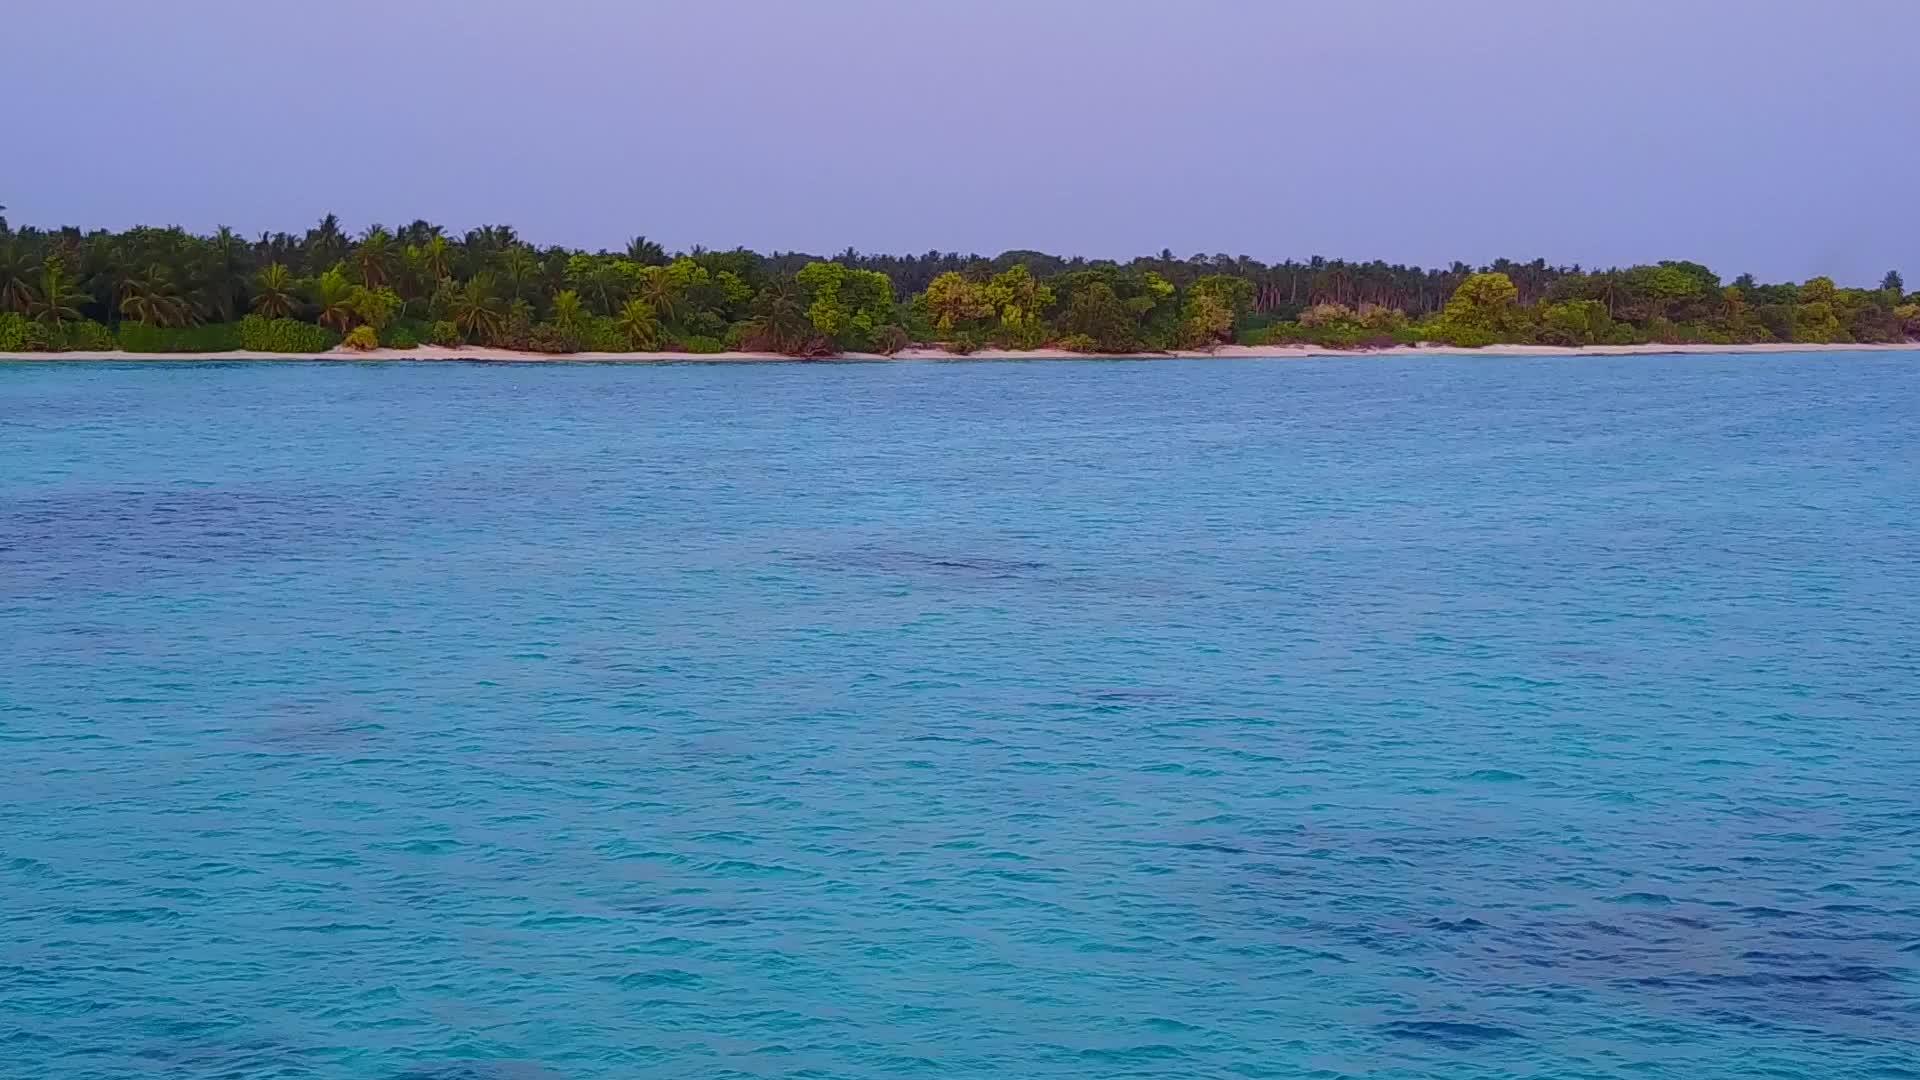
{"points": [[1441, 717]]}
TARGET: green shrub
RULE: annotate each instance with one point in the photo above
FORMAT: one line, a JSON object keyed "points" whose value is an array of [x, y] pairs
{"points": [[701, 344], [1664, 331], [1339, 335], [363, 338], [1253, 325], [446, 334], [599, 333], [1469, 337], [211, 338], [13, 331], [261, 334], [551, 339], [86, 336], [1080, 343], [709, 324], [19, 335], [1279, 333], [405, 334], [138, 337]]}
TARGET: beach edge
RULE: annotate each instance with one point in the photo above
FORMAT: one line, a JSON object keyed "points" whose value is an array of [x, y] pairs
{"points": [[1224, 352]]}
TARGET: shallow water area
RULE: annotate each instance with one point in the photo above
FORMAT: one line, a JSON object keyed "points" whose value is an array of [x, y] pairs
{"points": [[1425, 717]]}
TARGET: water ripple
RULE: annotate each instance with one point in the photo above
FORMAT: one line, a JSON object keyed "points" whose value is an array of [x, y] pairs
{"points": [[1430, 718]]}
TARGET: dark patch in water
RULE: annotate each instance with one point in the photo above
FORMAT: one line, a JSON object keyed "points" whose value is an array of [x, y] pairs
{"points": [[184, 524], [1123, 694], [921, 564], [309, 726], [479, 1070], [1224, 849], [184, 1055], [1453, 1034]]}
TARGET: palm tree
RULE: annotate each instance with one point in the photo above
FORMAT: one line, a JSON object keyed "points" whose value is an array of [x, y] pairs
{"points": [[491, 238], [58, 301], [153, 298], [477, 312], [639, 323], [780, 322], [411, 279], [375, 256], [418, 231], [603, 285], [102, 272], [275, 296], [658, 288], [326, 239], [438, 257], [521, 269], [16, 291], [230, 274], [568, 311], [646, 252], [333, 294]]}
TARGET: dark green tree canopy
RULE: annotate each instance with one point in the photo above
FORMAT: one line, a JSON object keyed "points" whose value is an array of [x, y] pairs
{"points": [[421, 282]]}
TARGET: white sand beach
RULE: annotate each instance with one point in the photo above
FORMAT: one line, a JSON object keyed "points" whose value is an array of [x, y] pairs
{"points": [[1225, 352]]}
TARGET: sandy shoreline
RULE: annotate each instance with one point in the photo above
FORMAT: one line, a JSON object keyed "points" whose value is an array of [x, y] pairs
{"points": [[1225, 352]]}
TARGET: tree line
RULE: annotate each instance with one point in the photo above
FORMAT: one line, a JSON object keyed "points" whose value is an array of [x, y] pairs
{"points": [[169, 290]]}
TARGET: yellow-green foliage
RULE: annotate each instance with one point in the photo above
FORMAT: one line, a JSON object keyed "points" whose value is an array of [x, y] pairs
{"points": [[261, 334], [1326, 314], [1482, 311], [1206, 322], [846, 306], [1575, 322], [954, 303], [639, 325], [1020, 300], [375, 307], [18, 334], [1816, 319]]}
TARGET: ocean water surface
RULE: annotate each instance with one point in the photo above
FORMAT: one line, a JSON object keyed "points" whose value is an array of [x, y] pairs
{"points": [[1443, 717]]}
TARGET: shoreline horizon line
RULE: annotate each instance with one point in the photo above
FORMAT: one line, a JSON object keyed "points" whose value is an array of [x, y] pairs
{"points": [[477, 354]]}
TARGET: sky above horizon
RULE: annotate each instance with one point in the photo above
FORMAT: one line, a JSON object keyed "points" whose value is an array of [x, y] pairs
{"points": [[1767, 136]]}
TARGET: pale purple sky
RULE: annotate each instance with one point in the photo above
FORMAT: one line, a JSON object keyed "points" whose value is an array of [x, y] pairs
{"points": [[1777, 136]]}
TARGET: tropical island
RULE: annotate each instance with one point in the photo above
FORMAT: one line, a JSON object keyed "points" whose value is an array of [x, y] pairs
{"points": [[416, 290]]}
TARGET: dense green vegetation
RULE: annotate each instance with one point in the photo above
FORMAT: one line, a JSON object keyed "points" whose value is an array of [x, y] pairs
{"points": [[167, 290]]}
